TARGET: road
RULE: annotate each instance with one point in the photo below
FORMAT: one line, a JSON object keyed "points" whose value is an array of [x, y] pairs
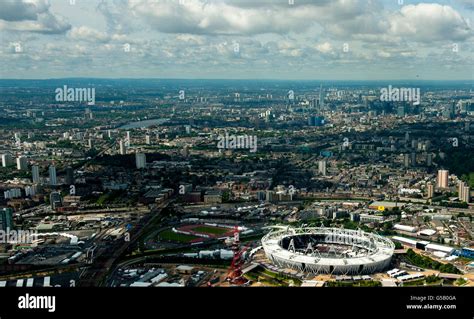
{"points": [[106, 255]]}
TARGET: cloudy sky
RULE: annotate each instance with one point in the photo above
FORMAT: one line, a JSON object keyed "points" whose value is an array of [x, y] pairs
{"points": [[231, 39]]}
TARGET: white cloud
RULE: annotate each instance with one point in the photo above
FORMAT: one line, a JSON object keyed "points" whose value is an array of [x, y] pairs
{"points": [[88, 34], [198, 37], [348, 19], [325, 47], [30, 16], [201, 17], [426, 22], [13, 10]]}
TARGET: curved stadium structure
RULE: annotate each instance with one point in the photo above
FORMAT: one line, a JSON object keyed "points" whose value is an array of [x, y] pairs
{"points": [[321, 250]]}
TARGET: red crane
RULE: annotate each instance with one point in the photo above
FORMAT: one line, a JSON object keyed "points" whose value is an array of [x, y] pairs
{"points": [[234, 275]]}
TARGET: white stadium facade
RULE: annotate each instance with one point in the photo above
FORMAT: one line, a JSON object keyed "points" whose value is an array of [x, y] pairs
{"points": [[321, 250]]}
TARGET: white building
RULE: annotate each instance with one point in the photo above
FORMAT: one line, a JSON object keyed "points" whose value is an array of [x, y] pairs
{"points": [[12, 193], [52, 175], [6, 160], [122, 147], [140, 160], [430, 188], [435, 247], [405, 241], [21, 163], [35, 174], [464, 192], [443, 178], [322, 167], [406, 228], [30, 190]]}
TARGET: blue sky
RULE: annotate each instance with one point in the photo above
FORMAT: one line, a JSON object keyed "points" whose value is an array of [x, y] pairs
{"points": [[235, 39]]}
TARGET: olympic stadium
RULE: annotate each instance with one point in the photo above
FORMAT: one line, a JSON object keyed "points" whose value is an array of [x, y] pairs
{"points": [[321, 250]]}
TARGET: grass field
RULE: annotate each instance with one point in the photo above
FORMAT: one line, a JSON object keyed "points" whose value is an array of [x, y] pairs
{"points": [[270, 278], [170, 235], [422, 282], [361, 283], [211, 230]]}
